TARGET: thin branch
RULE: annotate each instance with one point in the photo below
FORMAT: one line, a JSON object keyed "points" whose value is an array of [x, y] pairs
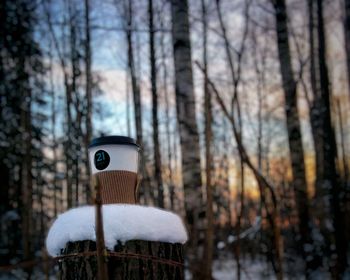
{"points": [[241, 149]]}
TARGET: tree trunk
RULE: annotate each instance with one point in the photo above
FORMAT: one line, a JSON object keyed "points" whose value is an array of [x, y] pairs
{"points": [[135, 259], [330, 180], [68, 103], [167, 118], [27, 162], [315, 112], [54, 137], [132, 71], [128, 10], [264, 185], [240, 212], [156, 148], [347, 37], [189, 138], [75, 137], [88, 92], [294, 131], [209, 243]]}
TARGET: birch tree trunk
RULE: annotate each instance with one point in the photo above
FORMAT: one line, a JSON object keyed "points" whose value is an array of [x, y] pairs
{"points": [[189, 138], [167, 116], [156, 148], [293, 128]]}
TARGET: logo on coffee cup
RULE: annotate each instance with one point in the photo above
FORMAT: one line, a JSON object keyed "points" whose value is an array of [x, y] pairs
{"points": [[101, 159]]}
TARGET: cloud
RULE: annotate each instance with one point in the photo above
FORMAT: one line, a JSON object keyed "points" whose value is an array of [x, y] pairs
{"points": [[113, 84]]}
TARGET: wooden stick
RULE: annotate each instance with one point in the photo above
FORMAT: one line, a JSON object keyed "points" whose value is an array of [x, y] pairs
{"points": [[100, 241]]}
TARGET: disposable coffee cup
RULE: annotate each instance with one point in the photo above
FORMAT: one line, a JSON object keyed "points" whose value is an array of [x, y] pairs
{"points": [[114, 160]]}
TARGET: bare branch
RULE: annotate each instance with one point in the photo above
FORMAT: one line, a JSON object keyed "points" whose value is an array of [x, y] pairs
{"points": [[241, 149]]}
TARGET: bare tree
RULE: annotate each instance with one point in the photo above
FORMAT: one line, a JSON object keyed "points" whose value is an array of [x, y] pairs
{"points": [[167, 112], [263, 183], [128, 11], [88, 92], [209, 244], [53, 134], [330, 179], [235, 72], [70, 86], [189, 138], [293, 129], [156, 145], [131, 64], [26, 166]]}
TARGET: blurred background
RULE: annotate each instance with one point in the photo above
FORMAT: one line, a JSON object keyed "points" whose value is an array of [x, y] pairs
{"points": [[241, 109]]}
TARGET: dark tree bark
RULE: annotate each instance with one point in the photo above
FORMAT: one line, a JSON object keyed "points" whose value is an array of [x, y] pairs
{"points": [[347, 37], [156, 148], [294, 131], [330, 180], [328, 187], [132, 71], [135, 259], [88, 92], [26, 167], [21, 70], [189, 138], [75, 42], [54, 137], [315, 111], [342, 142]]}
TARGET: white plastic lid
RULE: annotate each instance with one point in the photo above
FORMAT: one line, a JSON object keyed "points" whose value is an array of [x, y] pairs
{"points": [[113, 153]]}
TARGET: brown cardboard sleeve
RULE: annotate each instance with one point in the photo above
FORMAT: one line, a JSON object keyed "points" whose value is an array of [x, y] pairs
{"points": [[118, 186]]}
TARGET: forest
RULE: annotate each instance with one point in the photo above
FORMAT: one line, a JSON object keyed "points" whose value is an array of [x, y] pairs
{"points": [[241, 109]]}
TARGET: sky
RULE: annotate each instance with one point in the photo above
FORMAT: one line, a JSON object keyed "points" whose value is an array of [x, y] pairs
{"points": [[110, 65]]}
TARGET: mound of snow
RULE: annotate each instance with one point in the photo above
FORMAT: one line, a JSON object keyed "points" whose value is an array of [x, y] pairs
{"points": [[121, 222]]}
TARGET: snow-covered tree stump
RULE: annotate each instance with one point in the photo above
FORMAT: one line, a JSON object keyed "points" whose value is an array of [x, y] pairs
{"points": [[141, 243]]}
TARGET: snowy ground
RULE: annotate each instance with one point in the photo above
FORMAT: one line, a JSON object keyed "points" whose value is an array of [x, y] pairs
{"points": [[222, 270], [225, 269]]}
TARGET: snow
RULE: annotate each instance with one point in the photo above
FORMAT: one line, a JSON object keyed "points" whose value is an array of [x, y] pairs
{"points": [[11, 215], [249, 232], [121, 222], [226, 269], [221, 245]]}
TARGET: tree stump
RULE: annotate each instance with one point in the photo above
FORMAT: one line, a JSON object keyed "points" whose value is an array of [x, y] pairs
{"points": [[136, 259]]}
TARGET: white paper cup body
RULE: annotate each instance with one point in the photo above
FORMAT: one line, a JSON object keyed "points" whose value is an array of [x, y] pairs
{"points": [[122, 157]]}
